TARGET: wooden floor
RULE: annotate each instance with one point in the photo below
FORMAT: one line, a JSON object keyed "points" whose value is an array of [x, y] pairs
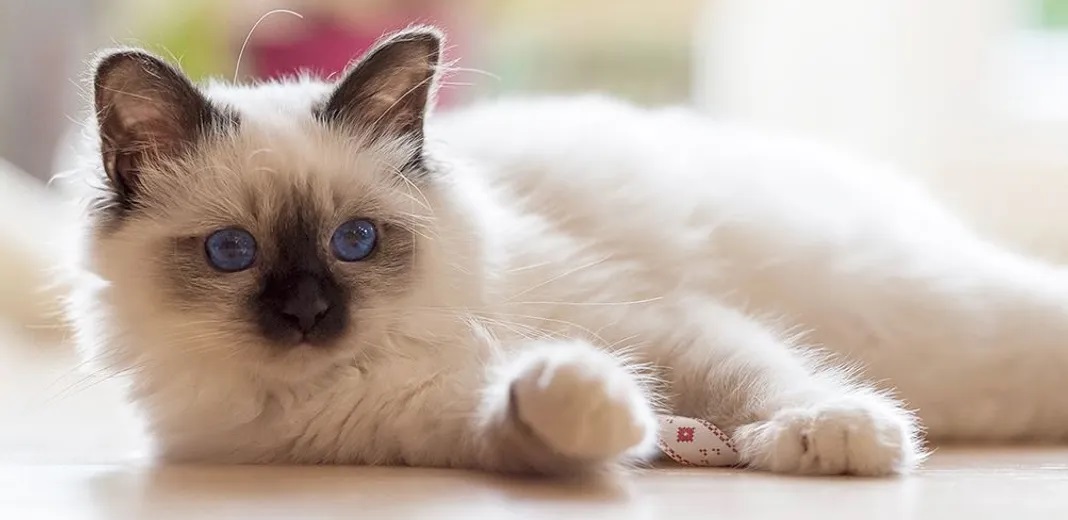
{"points": [[68, 451]]}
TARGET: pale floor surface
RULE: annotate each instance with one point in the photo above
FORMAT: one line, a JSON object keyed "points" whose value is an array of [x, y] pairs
{"points": [[67, 451]]}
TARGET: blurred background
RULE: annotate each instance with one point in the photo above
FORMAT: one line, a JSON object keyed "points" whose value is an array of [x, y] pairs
{"points": [[970, 96], [633, 49]]}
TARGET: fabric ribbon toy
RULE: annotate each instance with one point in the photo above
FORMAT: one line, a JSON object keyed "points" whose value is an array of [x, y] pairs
{"points": [[695, 442]]}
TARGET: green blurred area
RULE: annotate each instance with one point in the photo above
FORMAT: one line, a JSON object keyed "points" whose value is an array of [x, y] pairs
{"points": [[192, 32], [1053, 14], [633, 49]]}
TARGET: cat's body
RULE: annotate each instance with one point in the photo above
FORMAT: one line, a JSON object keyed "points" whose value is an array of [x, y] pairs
{"points": [[545, 273], [858, 258]]}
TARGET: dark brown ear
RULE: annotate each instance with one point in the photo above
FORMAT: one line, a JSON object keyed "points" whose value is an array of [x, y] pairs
{"points": [[145, 109], [389, 90]]}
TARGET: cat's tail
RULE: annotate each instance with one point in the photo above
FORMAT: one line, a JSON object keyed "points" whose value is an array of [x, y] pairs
{"points": [[33, 222]]}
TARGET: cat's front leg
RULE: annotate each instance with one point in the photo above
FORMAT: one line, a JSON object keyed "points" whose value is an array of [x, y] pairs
{"points": [[563, 407], [786, 410]]}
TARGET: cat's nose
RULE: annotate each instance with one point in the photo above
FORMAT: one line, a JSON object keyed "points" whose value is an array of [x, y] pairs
{"points": [[306, 305], [301, 307]]}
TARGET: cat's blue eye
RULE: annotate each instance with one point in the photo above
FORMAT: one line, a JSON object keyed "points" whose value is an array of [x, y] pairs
{"points": [[354, 240], [231, 249]]}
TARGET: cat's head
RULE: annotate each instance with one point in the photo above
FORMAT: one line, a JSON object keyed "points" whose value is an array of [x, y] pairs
{"points": [[281, 227]]}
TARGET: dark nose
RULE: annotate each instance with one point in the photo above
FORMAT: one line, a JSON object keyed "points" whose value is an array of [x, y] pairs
{"points": [[300, 306], [305, 305]]}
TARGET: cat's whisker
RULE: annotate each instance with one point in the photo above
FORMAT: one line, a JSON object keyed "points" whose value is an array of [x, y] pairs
{"points": [[535, 318], [425, 202], [527, 332], [589, 304], [444, 84], [453, 68], [105, 373], [560, 276], [530, 267], [248, 37]]}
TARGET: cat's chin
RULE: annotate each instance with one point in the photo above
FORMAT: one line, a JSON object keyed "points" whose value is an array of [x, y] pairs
{"points": [[302, 361]]}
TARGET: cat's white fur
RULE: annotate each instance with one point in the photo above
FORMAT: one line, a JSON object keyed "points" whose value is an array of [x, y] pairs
{"points": [[589, 263]]}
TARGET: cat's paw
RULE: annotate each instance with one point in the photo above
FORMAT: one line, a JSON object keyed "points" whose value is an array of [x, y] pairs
{"points": [[582, 404], [859, 436]]}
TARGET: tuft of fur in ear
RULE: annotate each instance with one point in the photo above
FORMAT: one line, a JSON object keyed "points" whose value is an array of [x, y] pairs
{"points": [[145, 109], [388, 92]]}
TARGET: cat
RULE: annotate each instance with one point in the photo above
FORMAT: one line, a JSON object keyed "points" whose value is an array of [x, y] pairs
{"points": [[303, 271]]}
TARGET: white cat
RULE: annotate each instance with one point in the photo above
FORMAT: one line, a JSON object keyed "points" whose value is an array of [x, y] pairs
{"points": [[310, 272]]}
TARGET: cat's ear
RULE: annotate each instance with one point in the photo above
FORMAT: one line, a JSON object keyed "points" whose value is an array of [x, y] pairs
{"points": [[145, 109], [388, 92]]}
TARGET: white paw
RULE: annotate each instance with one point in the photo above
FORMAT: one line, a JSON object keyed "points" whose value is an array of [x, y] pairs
{"points": [[582, 404], [860, 436]]}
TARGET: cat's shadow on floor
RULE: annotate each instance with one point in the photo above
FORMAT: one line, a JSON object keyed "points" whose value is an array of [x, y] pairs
{"points": [[286, 489]]}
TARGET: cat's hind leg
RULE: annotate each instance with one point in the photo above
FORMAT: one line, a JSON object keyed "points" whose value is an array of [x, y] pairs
{"points": [[786, 410]]}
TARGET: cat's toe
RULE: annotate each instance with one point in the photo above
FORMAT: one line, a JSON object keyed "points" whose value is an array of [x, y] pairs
{"points": [[850, 436], [583, 407]]}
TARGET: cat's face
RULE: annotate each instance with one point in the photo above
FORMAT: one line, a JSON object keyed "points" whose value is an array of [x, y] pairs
{"points": [[284, 227]]}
